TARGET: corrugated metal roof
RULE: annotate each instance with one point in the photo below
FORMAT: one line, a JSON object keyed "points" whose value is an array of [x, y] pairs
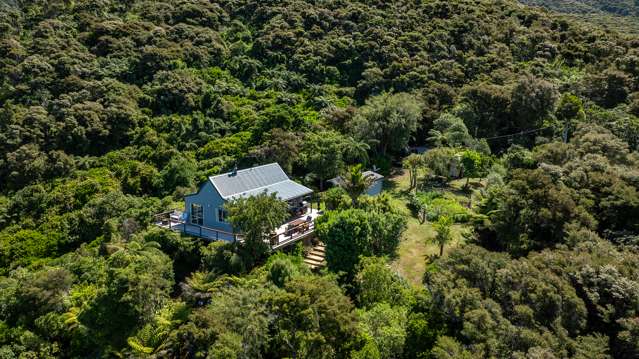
{"points": [[251, 181], [284, 190], [374, 175], [338, 181]]}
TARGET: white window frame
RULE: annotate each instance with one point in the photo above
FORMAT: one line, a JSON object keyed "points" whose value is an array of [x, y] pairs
{"points": [[197, 214], [222, 215]]}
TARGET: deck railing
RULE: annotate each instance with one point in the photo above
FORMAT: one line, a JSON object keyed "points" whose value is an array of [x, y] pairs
{"points": [[292, 234], [173, 221]]}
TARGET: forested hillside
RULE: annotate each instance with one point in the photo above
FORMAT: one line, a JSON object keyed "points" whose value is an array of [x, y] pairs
{"points": [[111, 111], [614, 7], [618, 14]]}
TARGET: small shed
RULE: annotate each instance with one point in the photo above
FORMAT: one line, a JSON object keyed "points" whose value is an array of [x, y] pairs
{"points": [[373, 190]]}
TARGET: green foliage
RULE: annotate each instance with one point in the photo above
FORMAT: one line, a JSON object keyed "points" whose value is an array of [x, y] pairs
{"points": [[26, 246], [618, 15], [280, 146], [283, 268], [322, 154], [184, 251], [570, 108], [221, 257], [386, 326], [141, 276], [521, 306], [444, 235], [256, 218], [433, 205], [442, 161], [234, 146], [352, 233], [179, 172], [388, 121], [375, 283], [519, 157], [412, 163], [308, 316], [475, 165], [449, 348], [449, 130], [533, 100], [355, 183], [105, 107], [576, 184], [336, 198]]}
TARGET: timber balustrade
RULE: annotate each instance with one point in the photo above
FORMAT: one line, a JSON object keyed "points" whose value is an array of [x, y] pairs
{"points": [[172, 220]]}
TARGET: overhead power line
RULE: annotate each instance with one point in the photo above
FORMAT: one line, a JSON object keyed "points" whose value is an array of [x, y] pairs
{"points": [[521, 133]]}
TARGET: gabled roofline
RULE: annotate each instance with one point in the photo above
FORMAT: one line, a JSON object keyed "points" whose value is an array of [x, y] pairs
{"points": [[199, 189], [226, 198], [238, 171], [246, 169]]}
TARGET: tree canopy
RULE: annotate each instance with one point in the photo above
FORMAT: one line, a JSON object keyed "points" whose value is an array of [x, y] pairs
{"points": [[111, 111]]}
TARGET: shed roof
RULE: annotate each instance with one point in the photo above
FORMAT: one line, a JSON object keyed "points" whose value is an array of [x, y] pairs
{"points": [[338, 181], [268, 178]]}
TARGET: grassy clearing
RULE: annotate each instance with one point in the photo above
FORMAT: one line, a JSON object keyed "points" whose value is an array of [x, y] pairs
{"points": [[416, 245]]}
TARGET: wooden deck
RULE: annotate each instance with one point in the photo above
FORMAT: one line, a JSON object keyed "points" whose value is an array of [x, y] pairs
{"points": [[289, 233]]}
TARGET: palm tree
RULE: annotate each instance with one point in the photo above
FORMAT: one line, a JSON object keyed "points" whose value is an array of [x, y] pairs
{"points": [[437, 138], [355, 182], [412, 164], [355, 150], [444, 234]]}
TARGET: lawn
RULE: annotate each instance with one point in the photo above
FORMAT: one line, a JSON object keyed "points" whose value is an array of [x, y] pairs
{"points": [[415, 246]]}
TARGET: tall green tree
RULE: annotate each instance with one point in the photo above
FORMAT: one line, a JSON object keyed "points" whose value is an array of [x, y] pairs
{"points": [[388, 121], [386, 325], [256, 218], [279, 146], [355, 183], [443, 232], [412, 163], [352, 233], [449, 130], [533, 100], [376, 282], [475, 165], [323, 154]]}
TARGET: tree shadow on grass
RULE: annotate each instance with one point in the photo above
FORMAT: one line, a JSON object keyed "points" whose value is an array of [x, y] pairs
{"points": [[464, 190]]}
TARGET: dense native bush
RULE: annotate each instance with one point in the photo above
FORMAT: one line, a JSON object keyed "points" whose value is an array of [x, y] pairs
{"points": [[589, 182], [356, 232], [110, 111], [518, 307]]}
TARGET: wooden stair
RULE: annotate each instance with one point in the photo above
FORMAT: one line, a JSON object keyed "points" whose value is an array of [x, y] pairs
{"points": [[315, 258]]}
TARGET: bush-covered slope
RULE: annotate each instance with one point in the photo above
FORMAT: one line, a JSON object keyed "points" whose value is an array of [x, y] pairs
{"points": [[614, 7], [110, 111], [621, 15]]}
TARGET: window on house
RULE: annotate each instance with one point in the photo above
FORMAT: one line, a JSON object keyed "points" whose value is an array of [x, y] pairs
{"points": [[222, 215], [197, 214]]}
